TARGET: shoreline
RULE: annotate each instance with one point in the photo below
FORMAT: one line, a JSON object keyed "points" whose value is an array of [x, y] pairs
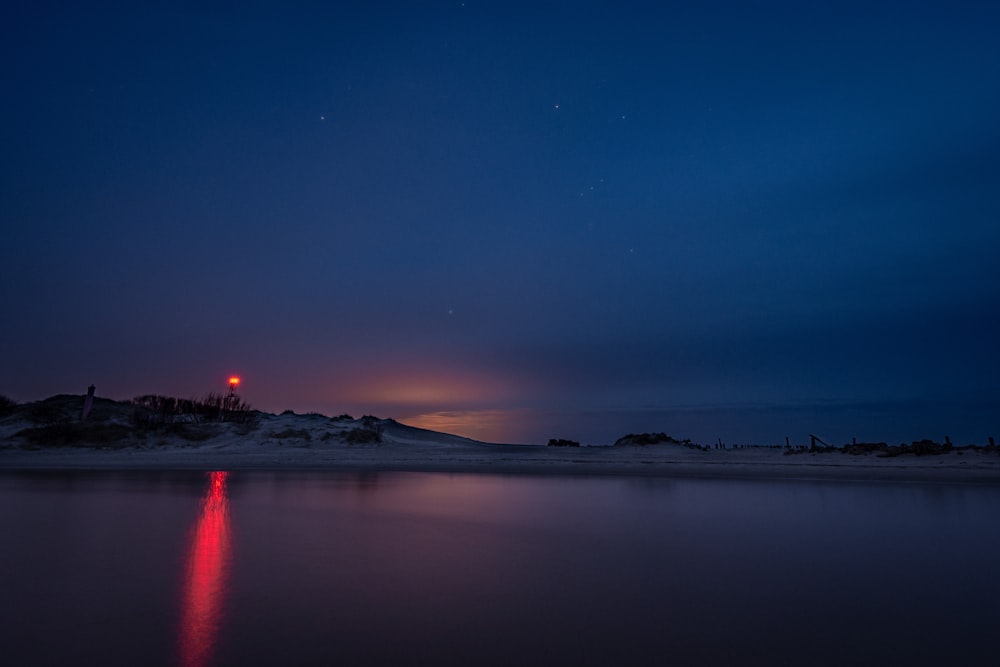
{"points": [[951, 468], [49, 436]]}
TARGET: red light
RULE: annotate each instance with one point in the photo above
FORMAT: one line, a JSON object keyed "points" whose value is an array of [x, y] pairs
{"points": [[233, 381]]}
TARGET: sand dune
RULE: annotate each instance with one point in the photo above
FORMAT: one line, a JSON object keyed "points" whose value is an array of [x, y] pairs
{"points": [[48, 434]]}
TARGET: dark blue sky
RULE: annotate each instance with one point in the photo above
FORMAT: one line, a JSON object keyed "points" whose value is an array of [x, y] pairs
{"points": [[414, 208]]}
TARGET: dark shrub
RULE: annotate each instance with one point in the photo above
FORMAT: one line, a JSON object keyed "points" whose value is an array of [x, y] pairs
{"points": [[190, 432], [153, 408], [363, 435], [47, 412], [865, 448], [292, 433], [554, 442], [74, 435], [643, 439]]}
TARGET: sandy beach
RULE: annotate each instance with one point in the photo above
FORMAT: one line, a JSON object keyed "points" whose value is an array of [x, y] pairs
{"points": [[292, 441]]}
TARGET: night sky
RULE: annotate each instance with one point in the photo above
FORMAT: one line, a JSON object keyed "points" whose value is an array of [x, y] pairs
{"points": [[512, 220]]}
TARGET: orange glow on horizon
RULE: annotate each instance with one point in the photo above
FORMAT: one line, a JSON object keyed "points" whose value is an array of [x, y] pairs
{"points": [[234, 381], [206, 576], [425, 389], [482, 425]]}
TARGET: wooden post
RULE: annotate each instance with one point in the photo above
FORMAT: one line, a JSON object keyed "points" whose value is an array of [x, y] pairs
{"points": [[947, 440], [816, 439], [787, 444], [992, 444], [88, 404]]}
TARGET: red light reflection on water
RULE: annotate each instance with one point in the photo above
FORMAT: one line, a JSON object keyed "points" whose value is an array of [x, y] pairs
{"points": [[205, 576]]}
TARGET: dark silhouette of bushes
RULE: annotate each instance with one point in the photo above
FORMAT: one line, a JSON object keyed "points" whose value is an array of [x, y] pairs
{"points": [[54, 409], [7, 405], [647, 439], [189, 432], [292, 433], [924, 447], [560, 442], [105, 434], [368, 432], [75, 434], [644, 439], [362, 436], [154, 409], [865, 448], [917, 448]]}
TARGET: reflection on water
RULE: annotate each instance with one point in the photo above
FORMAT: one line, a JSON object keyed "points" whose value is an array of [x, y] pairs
{"points": [[206, 575], [457, 569]]}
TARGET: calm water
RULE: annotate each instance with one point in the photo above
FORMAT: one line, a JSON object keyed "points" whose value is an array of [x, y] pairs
{"points": [[965, 422], [435, 569]]}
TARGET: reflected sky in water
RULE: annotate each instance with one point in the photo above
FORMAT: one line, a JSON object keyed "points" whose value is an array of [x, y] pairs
{"points": [[259, 568]]}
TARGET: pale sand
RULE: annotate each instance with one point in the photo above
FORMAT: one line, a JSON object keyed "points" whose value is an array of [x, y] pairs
{"points": [[408, 449]]}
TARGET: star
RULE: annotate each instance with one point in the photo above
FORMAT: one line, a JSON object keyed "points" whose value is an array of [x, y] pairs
{"points": [[322, 117], [556, 107]]}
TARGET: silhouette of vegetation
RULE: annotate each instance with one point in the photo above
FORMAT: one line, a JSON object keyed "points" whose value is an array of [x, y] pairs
{"points": [[190, 432], [369, 432], [129, 423], [865, 448], [560, 442], [362, 436], [882, 450], [646, 439], [7, 405], [311, 414], [60, 408], [292, 433], [152, 409], [81, 434]]}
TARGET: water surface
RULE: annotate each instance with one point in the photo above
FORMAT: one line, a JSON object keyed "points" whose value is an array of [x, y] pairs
{"points": [[256, 568]]}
